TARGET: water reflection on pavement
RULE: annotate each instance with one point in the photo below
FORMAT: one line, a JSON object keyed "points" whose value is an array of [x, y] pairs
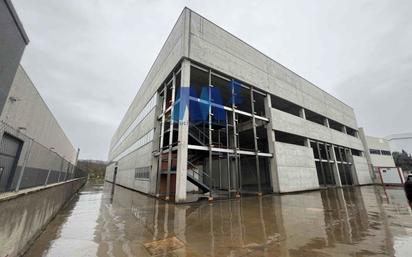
{"points": [[107, 221]]}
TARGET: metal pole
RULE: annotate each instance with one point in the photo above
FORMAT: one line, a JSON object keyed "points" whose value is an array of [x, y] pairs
{"points": [[235, 136], [252, 102], [162, 130], [320, 163], [210, 137], [77, 156], [61, 170], [329, 164], [227, 156], [26, 158], [169, 159]]}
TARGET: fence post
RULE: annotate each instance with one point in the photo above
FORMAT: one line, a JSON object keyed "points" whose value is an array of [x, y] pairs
{"points": [[26, 159], [48, 174], [61, 170]]}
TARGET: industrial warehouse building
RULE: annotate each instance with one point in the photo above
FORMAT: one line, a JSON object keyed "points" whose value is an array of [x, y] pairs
{"points": [[34, 149], [216, 116]]}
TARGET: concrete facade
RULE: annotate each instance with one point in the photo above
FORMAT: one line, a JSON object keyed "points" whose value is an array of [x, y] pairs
{"points": [[34, 149], [26, 110], [25, 214], [379, 158], [45, 153], [13, 40], [379, 151], [319, 139]]}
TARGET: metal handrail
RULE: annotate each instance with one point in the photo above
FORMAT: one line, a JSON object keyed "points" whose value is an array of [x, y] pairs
{"points": [[197, 171], [199, 132]]}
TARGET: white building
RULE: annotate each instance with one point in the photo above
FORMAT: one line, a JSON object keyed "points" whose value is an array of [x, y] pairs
{"points": [[217, 116]]}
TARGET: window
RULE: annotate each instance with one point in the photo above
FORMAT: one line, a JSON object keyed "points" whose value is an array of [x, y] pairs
{"points": [[314, 117], [289, 138], [199, 83], [245, 133], [351, 132], [242, 97], [356, 152], [142, 173], [384, 152], [374, 151], [286, 106], [222, 90], [336, 125], [259, 103]]}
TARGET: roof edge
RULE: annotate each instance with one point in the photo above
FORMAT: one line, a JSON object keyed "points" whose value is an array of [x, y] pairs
{"points": [[17, 21]]}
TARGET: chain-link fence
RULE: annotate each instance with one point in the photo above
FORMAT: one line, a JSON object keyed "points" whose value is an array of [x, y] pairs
{"points": [[25, 163]]}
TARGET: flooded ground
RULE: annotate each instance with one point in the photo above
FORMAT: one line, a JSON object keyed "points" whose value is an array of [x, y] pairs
{"points": [[113, 221]]}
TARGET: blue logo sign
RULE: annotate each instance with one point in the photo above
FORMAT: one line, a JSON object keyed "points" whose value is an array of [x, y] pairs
{"points": [[199, 104]]}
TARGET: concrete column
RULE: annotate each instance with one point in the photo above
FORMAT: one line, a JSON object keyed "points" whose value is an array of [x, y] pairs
{"points": [[271, 142], [181, 166], [344, 130], [302, 113], [326, 122], [353, 168], [362, 137]]}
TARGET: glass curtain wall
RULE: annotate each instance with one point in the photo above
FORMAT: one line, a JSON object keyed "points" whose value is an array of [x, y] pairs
{"points": [[325, 157], [227, 134], [168, 99]]}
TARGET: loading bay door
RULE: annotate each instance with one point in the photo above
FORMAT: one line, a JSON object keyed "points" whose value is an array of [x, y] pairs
{"points": [[10, 148]]}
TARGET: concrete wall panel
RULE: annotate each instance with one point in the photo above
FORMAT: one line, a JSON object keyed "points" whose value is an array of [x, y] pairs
{"points": [[12, 43], [378, 143], [220, 50], [30, 112], [26, 213], [296, 168], [126, 169], [362, 170], [382, 160], [143, 128], [289, 123]]}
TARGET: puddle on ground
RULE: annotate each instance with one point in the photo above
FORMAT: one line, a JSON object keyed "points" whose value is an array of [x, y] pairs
{"points": [[359, 221], [163, 246]]}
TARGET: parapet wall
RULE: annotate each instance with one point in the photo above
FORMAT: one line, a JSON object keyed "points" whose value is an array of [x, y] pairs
{"points": [[26, 213]]}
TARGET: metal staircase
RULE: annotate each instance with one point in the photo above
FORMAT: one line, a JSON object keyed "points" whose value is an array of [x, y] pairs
{"points": [[198, 135], [197, 177]]}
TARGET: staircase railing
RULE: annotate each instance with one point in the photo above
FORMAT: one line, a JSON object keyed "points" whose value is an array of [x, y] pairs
{"points": [[198, 175], [199, 134]]}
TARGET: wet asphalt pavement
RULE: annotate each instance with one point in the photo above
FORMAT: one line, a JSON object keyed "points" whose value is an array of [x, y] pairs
{"points": [[113, 221]]}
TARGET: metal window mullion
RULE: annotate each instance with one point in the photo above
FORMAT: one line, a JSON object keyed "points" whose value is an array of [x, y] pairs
{"points": [[60, 171], [329, 164], [162, 129], [342, 165], [169, 158], [238, 185], [349, 159], [252, 102], [320, 163], [210, 135], [228, 156], [220, 162]]}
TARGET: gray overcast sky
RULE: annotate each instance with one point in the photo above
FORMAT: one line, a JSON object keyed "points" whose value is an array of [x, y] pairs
{"points": [[88, 58]]}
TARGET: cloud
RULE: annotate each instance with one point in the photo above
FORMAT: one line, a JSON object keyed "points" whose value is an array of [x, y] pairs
{"points": [[88, 58]]}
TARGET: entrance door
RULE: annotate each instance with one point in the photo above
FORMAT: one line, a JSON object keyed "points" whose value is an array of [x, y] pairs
{"points": [[10, 148]]}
